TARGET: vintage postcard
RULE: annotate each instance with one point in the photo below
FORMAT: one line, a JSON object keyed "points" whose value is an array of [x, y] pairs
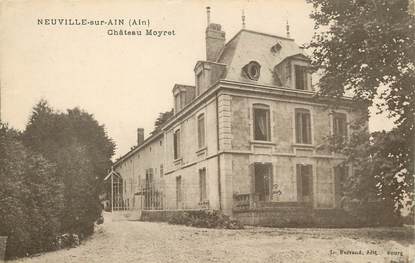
{"points": [[207, 131]]}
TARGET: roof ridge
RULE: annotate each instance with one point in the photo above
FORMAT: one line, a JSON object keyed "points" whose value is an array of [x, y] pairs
{"points": [[266, 34]]}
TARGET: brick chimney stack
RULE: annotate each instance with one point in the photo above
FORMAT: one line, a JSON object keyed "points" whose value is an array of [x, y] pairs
{"points": [[215, 39], [140, 136]]}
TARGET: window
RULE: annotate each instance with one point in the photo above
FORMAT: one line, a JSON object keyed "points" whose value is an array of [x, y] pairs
{"points": [[202, 185], [339, 125], [176, 142], [303, 126], [178, 191], [304, 182], [252, 70], [179, 100], [300, 77], [201, 130], [275, 48], [149, 177], [262, 131], [182, 99], [161, 170], [149, 202], [263, 181]]}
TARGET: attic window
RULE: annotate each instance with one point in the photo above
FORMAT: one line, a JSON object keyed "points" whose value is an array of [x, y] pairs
{"points": [[275, 48], [252, 70]]}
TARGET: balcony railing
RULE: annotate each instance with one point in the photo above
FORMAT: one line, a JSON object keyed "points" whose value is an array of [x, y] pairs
{"points": [[254, 201]]}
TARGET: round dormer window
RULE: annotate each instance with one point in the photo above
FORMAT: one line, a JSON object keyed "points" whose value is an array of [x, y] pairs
{"points": [[252, 70]]}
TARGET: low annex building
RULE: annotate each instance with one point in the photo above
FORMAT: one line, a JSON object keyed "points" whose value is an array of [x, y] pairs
{"points": [[246, 139]]}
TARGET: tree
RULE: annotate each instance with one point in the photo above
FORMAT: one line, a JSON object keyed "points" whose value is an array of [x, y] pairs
{"points": [[82, 151], [46, 132], [81, 203], [367, 48], [31, 197], [161, 119]]}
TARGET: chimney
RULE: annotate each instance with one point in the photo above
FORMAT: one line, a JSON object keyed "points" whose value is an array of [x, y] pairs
{"points": [[215, 39], [140, 136]]}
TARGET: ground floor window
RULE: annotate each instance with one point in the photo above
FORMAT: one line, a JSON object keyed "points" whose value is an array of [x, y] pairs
{"points": [[117, 193], [148, 190], [202, 185], [304, 182], [263, 181], [178, 191]]}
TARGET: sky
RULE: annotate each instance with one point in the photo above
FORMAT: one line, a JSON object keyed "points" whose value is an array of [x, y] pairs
{"points": [[124, 81]]}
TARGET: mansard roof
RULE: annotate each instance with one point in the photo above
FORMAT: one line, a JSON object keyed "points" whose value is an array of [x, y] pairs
{"points": [[247, 46]]}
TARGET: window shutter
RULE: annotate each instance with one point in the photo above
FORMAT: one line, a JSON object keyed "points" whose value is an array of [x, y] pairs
{"points": [[270, 180], [174, 145], [252, 177], [299, 188], [309, 132], [335, 125], [306, 128], [252, 184], [298, 125], [310, 181], [304, 76], [250, 122], [200, 186], [345, 126]]}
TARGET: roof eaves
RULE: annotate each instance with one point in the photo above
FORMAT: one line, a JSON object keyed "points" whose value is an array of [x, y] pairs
{"points": [[298, 55], [137, 148]]}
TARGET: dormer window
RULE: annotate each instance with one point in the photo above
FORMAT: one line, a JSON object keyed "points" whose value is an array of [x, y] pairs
{"points": [[301, 80], [179, 100], [275, 48], [252, 70]]}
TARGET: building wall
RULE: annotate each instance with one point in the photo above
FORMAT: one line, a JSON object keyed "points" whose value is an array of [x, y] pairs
{"points": [[282, 152], [229, 168], [193, 159], [133, 171]]}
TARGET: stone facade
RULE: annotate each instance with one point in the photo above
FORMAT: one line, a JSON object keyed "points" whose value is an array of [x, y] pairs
{"points": [[234, 142]]}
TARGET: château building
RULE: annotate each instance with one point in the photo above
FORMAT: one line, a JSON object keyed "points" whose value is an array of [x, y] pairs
{"points": [[246, 139]]}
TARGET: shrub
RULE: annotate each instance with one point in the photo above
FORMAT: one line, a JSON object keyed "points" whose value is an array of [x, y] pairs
{"points": [[205, 219], [67, 240], [100, 220]]}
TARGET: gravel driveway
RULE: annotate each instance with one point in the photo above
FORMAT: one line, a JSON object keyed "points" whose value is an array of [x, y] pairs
{"points": [[128, 241]]}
